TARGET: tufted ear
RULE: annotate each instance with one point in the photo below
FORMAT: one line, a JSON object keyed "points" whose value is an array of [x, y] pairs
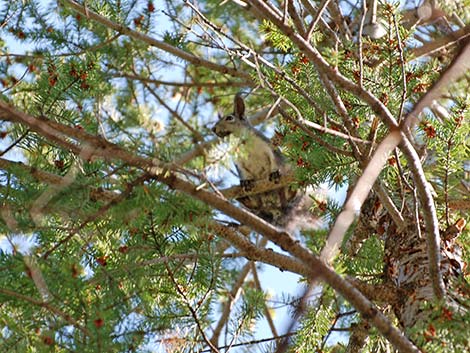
{"points": [[239, 106]]}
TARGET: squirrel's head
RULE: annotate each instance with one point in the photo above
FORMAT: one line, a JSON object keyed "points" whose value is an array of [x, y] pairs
{"points": [[234, 122]]}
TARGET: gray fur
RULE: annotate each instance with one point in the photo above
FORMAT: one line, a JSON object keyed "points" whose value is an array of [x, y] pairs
{"points": [[258, 159]]}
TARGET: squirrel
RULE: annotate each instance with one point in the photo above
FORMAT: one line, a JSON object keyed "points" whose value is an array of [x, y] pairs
{"points": [[258, 159]]}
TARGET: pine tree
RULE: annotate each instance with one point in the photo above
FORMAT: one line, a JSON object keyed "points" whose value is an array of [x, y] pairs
{"points": [[120, 229]]}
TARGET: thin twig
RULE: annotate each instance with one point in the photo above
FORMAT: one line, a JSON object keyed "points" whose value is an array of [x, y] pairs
{"points": [[48, 306], [196, 134], [17, 141], [360, 42], [441, 43], [300, 123], [298, 21], [181, 291], [180, 84], [317, 269], [267, 313], [231, 298], [403, 72], [154, 42], [318, 15], [249, 343]]}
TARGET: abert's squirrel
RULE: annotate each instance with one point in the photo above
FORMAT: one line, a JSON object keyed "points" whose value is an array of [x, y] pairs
{"points": [[257, 159]]}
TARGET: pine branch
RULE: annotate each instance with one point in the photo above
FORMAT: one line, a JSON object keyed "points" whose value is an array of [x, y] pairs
{"points": [[267, 314], [317, 269], [377, 106], [191, 58], [231, 298], [255, 253], [359, 337], [180, 84], [54, 310], [99, 213], [96, 194], [181, 290]]}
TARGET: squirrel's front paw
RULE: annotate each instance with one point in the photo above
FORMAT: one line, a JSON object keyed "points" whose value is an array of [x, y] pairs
{"points": [[275, 176], [247, 185]]}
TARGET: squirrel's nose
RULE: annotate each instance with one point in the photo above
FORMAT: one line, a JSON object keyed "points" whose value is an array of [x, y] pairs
{"points": [[214, 130]]}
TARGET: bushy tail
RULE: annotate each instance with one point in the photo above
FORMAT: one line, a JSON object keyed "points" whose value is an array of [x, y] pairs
{"points": [[299, 217], [284, 207]]}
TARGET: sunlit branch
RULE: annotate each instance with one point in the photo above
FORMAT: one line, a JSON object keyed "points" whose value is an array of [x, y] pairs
{"points": [[317, 269], [85, 11], [358, 195], [47, 306], [181, 84], [378, 107], [444, 42]]}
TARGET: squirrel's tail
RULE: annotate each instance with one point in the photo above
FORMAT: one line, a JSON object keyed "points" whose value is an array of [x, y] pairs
{"points": [[285, 207], [298, 216]]}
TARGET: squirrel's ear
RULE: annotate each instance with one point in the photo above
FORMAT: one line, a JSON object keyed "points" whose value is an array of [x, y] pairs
{"points": [[239, 106]]}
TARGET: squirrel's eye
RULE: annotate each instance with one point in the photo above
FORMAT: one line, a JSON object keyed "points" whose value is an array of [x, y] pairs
{"points": [[229, 118]]}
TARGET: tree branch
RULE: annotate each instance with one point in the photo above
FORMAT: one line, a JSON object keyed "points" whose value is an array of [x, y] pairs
{"points": [[317, 269], [181, 84], [53, 179], [193, 59], [358, 196], [377, 106], [268, 315], [441, 43], [459, 65], [48, 306], [231, 298]]}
